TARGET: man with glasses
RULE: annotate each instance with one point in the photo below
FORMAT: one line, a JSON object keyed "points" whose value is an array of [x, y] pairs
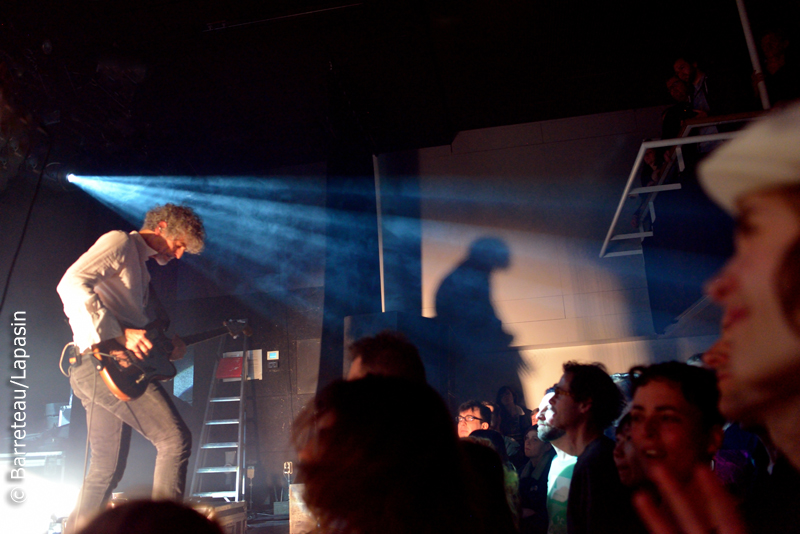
{"points": [[585, 403], [472, 415]]}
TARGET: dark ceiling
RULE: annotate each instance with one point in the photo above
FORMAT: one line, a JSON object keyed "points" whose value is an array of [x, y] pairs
{"points": [[213, 86]]}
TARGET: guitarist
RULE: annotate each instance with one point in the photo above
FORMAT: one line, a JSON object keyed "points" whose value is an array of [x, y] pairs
{"points": [[104, 293]]}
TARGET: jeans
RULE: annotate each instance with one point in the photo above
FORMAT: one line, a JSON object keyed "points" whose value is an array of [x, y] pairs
{"points": [[109, 422]]}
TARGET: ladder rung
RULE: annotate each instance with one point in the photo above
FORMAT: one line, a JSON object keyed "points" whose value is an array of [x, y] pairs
{"points": [[222, 469], [223, 422], [224, 445], [225, 399], [216, 494], [635, 235], [623, 253], [654, 188]]}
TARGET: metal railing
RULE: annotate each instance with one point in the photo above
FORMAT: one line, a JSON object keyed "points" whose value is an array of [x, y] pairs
{"points": [[653, 190]]}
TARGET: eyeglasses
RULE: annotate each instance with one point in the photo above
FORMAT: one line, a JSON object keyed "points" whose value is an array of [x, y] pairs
{"points": [[561, 391], [468, 419]]}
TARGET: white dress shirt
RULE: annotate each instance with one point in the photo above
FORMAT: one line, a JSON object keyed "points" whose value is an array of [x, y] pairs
{"points": [[106, 290]]}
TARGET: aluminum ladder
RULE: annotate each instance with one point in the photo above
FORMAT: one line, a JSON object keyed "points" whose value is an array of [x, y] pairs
{"points": [[219, 465]]}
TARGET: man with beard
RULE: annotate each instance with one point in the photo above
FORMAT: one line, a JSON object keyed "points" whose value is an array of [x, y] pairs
{"points": [[560, 474], [585, 403]]}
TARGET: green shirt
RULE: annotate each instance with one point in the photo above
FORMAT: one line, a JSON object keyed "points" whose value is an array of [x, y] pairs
{"points": [[558, 481]]}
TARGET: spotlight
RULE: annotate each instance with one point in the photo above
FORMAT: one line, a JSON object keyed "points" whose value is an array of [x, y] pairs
{"points": [[55, 173]]}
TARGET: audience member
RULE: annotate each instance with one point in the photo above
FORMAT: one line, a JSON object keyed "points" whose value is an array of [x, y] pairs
{"points": [[709, 94], [673, 117], [363, 475], [498, 444], [388, 354], [652, 168], [494, 424], [781, 71], [533, 483], [688, 72], [631, 474], [151, 517], [585, 403], [675, 423], [735, 434], [562, 466], [623, 382], [629, 467], [513, 450], [494, 440], [514, 419], [697, 82], [491, 482], [742, 462], [472, 415]]}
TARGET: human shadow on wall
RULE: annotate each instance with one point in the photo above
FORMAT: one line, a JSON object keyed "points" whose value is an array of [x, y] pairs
{"points": [[482, 357]]}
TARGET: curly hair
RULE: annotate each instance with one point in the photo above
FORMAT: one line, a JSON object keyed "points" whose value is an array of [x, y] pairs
{"points": [[182, 222], [591, 381]]}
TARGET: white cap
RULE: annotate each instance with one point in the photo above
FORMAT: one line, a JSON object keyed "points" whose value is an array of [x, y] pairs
{"points": [[766, 154]]}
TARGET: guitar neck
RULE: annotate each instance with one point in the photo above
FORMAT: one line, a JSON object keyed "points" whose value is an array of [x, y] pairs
{"points": [[203, 336]]}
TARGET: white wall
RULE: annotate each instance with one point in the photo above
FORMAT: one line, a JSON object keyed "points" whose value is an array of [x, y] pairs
{"points": [[549, 190], [543, 365]]}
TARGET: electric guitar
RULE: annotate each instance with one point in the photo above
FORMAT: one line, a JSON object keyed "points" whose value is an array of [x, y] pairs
{"points": [[127, 377]]}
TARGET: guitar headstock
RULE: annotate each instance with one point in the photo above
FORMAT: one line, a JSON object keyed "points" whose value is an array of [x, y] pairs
{"points": [[237, 327]]}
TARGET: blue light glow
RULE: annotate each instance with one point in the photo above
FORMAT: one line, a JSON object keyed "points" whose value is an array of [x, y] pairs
{"points": [[263, 235], [256, 227]]}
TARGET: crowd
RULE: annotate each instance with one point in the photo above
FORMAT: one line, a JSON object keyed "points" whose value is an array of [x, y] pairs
{"points": [[697, 94], [713, 447]]}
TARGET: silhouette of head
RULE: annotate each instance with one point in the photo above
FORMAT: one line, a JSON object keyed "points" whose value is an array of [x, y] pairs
{"points": [[489, 253]]}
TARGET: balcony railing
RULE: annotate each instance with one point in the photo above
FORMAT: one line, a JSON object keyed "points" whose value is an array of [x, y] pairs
{"points": [[645, 196]]}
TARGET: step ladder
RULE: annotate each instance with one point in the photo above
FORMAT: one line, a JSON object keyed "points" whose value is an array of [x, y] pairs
{"points": [[219, 465]]}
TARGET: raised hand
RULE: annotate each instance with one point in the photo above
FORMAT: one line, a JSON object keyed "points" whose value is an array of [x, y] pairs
{"points": [[708, 510]]}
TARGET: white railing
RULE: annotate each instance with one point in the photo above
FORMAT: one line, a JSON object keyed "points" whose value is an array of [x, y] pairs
{"points": [[652, 191]]}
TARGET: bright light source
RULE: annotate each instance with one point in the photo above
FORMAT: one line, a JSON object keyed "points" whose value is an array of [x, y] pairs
{"points": [[70, 177], [43, 499]]}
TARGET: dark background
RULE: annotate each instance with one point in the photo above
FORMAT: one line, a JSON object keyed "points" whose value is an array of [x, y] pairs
{"points": [[215, 86]]}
